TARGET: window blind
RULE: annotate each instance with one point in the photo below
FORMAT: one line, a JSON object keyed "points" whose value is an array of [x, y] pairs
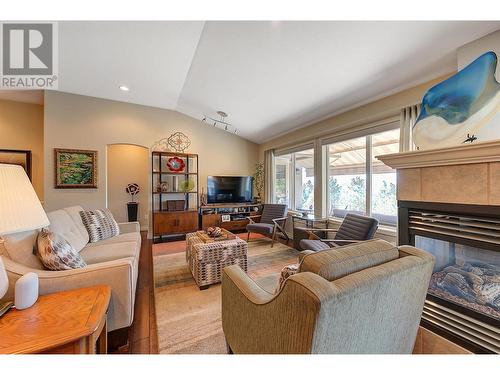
{"points": [[291, 150], [376, 127]]}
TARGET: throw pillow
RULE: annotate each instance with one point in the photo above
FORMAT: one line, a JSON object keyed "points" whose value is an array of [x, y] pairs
{"points": [[56, 253], [100, 224], [286, 272]]}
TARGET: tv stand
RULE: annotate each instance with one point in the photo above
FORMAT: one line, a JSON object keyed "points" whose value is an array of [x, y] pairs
{"points": [[230, 216]]}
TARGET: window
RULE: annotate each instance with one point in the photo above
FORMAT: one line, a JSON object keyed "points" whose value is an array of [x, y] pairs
{"points": [[383, 202], [282, 179], [347, 177], [294, 180], [358, 182]]}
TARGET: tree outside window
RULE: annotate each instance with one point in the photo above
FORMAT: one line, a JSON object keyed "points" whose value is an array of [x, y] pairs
{"points": [[347, 177]]}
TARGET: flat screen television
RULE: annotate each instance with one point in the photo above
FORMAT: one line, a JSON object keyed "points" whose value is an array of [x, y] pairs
{"points": [[229, 189]]}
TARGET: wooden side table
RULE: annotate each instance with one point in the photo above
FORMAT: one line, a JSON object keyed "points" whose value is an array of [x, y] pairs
{"points": [[70, 322]]}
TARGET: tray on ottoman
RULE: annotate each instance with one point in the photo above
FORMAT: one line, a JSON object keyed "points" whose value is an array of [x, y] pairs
{"points": [[207, 260], [226, 235]]}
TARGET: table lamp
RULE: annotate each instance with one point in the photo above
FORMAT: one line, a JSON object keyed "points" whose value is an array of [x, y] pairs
{"points": [[20, 211]]}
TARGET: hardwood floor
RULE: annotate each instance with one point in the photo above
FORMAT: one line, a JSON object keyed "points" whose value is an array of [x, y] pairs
{"points": [[428, 342], [142, 333]]}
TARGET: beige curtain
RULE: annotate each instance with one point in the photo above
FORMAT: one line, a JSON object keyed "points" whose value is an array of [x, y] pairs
{"points": [[269, 176], [407, 120]]}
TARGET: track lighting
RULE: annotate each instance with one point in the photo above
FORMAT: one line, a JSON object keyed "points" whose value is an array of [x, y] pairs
{"points": [[220, 123]]}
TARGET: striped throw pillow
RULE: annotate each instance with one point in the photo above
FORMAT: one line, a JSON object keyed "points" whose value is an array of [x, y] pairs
{"points": [[100, 224]]}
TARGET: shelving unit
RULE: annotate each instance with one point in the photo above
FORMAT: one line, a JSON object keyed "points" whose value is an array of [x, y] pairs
{"points": [[211, 215], [175, 209]]}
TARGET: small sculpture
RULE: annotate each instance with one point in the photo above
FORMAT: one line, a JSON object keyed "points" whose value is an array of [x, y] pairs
{"points": [[214, 232], [133, 189], [203, 197]]}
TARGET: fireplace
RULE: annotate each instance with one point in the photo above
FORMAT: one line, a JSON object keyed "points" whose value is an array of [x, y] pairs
{"points": [[463, 301], [449, 205]]}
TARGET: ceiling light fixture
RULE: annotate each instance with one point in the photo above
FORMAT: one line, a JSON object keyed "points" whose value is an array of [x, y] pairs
{"points": [[220, 123], [124, 88]]}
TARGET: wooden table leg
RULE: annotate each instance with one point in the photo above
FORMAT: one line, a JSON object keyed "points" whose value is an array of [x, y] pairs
{"points": [[101, 337], [97, 343], [102, 341]]}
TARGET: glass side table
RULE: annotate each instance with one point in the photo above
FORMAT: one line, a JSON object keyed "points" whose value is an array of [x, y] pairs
{"points": [[308, 222]]}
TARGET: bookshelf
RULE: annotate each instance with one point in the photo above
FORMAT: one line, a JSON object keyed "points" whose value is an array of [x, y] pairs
{"points": [[174, 190]]}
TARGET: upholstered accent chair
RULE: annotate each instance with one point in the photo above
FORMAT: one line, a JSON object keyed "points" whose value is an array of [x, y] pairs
{"points": [[354, 228], [272, 221], [361, 298]]}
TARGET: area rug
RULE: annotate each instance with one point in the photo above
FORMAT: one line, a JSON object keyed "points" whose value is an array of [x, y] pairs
{"points": [[188, 319]]}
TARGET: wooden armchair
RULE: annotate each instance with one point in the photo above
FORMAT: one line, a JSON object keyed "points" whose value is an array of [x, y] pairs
{"points": [[273, 219], [354, 228]]}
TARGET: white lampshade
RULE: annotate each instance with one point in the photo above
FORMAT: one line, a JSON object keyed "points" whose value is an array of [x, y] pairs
{"points": [[20, 209]]}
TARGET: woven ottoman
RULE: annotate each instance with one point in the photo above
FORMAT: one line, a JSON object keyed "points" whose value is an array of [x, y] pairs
{"points": [[207, 260]]}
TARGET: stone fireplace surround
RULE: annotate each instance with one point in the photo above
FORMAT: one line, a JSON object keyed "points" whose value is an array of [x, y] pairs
{"points": [[462, 181]]}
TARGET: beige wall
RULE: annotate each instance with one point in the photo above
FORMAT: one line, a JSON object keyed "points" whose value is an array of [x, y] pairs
{"points": [[74, 121], [471, 51], [372, 112], [21, 128], [128, 164]]}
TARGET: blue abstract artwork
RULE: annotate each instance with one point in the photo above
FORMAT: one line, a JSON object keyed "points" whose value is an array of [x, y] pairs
{"points": [[463, 109]]}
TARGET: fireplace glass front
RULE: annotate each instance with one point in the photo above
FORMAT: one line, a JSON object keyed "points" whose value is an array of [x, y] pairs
{"points": [[464, 275]]}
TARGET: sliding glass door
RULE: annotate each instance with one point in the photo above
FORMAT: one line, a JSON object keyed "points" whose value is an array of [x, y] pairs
{"points": [[294, 180]]}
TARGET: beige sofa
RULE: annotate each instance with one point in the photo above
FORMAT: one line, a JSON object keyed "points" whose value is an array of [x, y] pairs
{"points": [[112, 262], [363, 298]]}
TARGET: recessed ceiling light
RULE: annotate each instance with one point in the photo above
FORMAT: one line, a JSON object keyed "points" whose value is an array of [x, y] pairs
{"points": [[124, 88]]}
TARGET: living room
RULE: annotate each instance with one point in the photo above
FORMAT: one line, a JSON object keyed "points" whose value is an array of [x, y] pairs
{"points": [[249, 187]]}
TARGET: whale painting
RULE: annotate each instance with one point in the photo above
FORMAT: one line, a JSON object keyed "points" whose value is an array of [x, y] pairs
{"points": [[463, 109]]}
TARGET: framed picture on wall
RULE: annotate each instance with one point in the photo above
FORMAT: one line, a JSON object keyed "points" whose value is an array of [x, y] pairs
{"points": [[17, 157], [75, 169]]}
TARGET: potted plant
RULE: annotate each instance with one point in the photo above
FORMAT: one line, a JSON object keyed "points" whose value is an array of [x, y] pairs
{"points": [[133, 206], [258, 181]]}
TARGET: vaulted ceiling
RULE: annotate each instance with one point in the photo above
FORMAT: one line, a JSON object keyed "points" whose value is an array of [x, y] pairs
{"points": [[270, 77]]}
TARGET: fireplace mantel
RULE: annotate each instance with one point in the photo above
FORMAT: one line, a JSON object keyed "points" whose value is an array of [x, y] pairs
{"points": [[481, 152], [449, 200], [465, 174]]}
